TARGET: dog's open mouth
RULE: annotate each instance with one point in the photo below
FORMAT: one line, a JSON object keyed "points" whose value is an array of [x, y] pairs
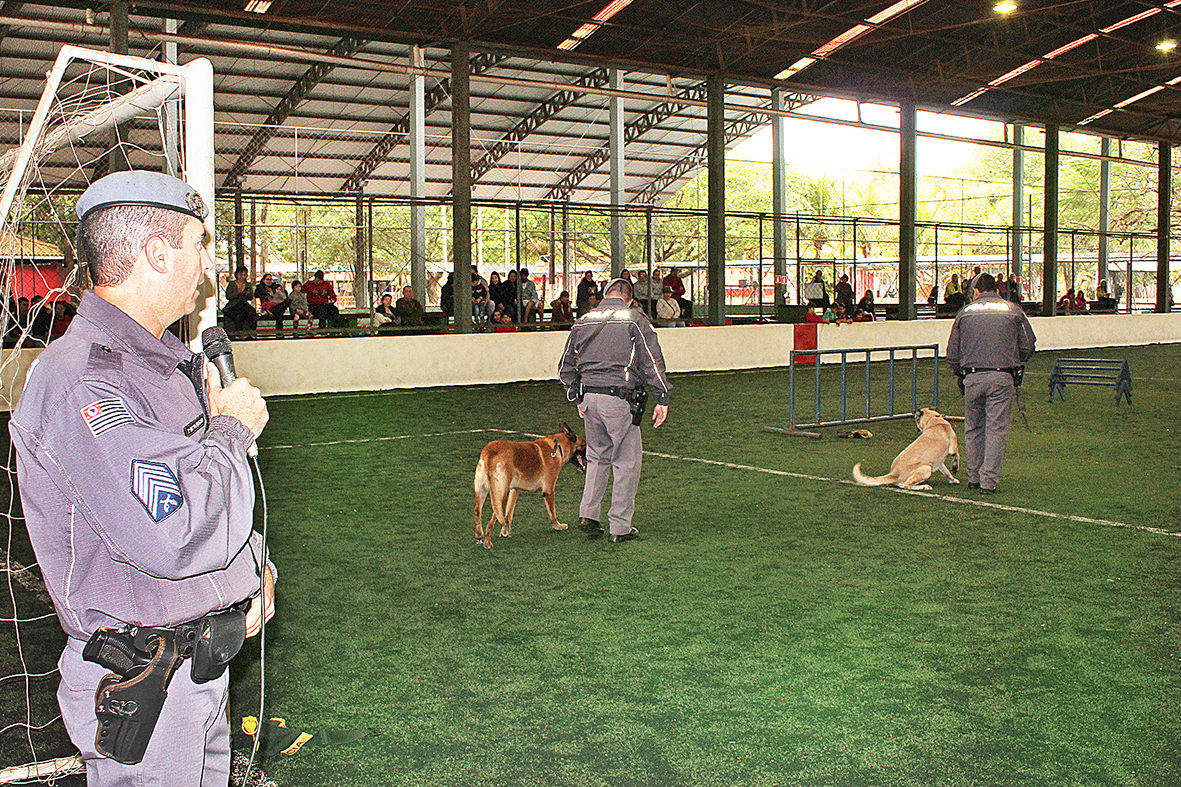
{"points": [[578, 458]]}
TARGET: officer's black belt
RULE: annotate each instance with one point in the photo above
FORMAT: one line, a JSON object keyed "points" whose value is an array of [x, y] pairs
{"points": [[973, 369], [612, 390]]}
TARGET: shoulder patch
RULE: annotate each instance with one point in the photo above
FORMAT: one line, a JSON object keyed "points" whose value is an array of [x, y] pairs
{"points": [[105, 414], [156, 488]]}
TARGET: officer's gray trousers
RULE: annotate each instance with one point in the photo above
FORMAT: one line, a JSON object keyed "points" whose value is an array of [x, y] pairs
{"points": [[988, 412], [613, 446], [191, 743]]}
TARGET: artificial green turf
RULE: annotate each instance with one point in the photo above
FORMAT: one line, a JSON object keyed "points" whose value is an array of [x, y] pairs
{"points": [[766, 630]]}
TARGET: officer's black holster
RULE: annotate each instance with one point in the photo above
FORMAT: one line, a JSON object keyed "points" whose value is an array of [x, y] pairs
{"points": [[636, 398], [143, 662]]}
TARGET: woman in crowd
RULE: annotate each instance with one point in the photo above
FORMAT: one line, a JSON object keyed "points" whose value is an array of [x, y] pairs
{"points": [[496, 291], [384, 316], [272, 298], [953, 293], [509, 306], [1066, 302], [588, 295], [239, 313], [865, 307]]}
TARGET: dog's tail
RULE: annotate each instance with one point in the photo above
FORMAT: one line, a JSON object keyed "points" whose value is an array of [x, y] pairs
{"points": [[864, 480]]}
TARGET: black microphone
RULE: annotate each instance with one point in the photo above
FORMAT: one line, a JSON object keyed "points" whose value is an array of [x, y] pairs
{"points": [[216, 345]]}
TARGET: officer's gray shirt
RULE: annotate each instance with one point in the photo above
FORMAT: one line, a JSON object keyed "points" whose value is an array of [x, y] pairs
{"points": [[138, 504], [990, 333], [626, 353]]}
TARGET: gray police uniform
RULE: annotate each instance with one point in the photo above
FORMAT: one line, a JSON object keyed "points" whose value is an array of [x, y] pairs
{"points": [[625, 354], [140, 509], [990, 337]]}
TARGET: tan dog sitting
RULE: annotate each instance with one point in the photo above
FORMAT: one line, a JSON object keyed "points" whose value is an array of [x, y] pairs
{"points": [[506, 469], [929, 452]]}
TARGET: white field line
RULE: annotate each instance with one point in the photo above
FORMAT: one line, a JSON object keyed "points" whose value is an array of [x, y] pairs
{"points": [[784, 474]]}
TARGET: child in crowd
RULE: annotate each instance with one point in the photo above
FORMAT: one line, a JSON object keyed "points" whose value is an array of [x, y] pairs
{"points": [[299, 304]]}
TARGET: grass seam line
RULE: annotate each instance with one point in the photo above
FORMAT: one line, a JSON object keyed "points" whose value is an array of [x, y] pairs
{"points": [[783, 473], [924, 493], [361, 440]]}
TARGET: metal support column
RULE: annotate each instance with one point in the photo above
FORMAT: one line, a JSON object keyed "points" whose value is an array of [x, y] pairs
{"points": [[1050, 225], [117, 157], [239, 250], [361, 297], [461, 185], [171, 109], [1018, 202], [907, 240], [1104, 211], [618, 197], [779, 202], [254, 235], [715, 144], [417, 176], [566, 246], [1164, 204]]}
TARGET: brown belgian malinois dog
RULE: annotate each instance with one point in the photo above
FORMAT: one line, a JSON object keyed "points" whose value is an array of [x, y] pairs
{"points": [[506, 469]]}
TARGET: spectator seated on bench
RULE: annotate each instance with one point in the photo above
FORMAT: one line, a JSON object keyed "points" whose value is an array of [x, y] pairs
{"points": [[409, 310], [322, 300], [385, 317], [299, 304], [272, 299], [238, 314]]}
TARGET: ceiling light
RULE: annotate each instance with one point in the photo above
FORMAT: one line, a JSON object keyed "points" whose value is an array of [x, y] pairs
{"points": [[1168, 45], [585, 32], [850, 35], [258, 6], [1005, 7]]}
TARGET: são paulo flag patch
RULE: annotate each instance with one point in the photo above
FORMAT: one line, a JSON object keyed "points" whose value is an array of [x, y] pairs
{"points": [[156, 488], [104, 415]]}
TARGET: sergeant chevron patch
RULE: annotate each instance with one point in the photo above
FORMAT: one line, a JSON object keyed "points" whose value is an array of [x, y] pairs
{"points": [[156, 488], [105, 414]]}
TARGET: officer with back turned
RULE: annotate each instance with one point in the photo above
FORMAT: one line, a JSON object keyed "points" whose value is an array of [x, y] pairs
{"points": [[138, 497], [990, 341], [612, 353]]}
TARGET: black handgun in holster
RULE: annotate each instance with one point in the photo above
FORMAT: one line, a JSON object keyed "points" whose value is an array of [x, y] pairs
{"points": [[1018, 373], [637, 400], [128, 704], [144, 661]]}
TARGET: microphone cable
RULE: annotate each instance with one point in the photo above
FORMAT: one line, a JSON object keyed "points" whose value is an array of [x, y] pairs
{"points": [[262, 632]]}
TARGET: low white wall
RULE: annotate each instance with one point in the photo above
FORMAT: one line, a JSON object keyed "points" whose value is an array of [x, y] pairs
{"points": [[302, 366]]}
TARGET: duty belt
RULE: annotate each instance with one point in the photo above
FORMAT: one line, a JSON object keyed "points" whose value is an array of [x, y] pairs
{"points": [[973, 369], [612, 390]]}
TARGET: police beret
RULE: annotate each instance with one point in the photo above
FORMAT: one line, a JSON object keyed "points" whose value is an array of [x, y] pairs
{"points": [[142, 187]]}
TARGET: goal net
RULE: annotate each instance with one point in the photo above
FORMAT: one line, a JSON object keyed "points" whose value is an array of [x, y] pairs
{"points": [[99, 113]]}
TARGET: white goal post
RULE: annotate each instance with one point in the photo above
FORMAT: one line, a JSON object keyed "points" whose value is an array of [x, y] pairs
{"points": [[94, 104], [192, 82]]}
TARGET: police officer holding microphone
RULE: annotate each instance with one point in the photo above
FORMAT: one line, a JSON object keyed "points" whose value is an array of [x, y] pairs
{"points": [[990, 341], [611, 354], [138, 498]]}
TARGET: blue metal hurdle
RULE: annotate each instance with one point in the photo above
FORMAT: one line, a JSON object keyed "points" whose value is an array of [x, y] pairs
{"points": [[891, 356]]}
